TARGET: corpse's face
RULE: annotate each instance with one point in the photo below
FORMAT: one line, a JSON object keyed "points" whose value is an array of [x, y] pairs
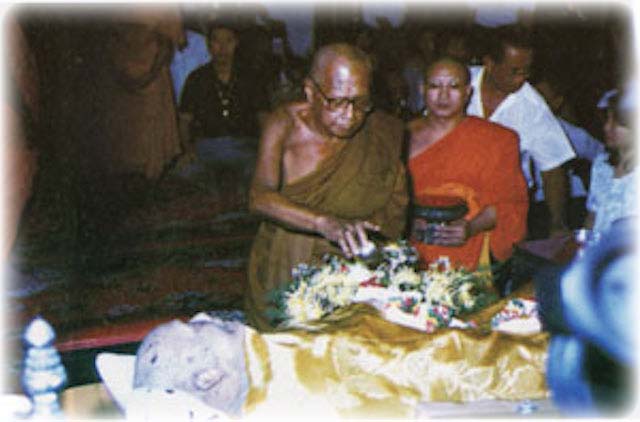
{"points": [[203, 357], [340, 101], [446, 90], [511, 73]]}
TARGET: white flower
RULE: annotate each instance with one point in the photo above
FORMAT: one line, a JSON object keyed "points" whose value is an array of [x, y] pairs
{"points": [[314, 310], [466, 296], [406, 275], [358, 272]]}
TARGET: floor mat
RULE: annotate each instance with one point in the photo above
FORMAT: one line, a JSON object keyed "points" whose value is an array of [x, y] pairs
{"points": [[183, 251]]}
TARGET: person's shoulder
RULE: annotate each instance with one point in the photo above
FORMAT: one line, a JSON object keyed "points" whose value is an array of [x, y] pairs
{"points": [[201, 72], [387, 132], [287, 115], [382, 119], [533, 98]]}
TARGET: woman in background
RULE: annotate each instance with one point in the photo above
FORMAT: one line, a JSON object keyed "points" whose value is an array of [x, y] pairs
{"points": [[613, 175]]}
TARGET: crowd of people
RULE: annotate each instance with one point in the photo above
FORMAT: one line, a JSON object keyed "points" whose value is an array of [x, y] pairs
{"points": [[375, 122], [480, 135], [343, 146]]}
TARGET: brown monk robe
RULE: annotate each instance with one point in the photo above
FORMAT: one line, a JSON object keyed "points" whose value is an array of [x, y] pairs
{"points": [[137, 118], [327, 171]]}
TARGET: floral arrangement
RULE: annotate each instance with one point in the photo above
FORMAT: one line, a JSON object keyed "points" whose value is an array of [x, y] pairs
{"points": [[519, 316], [390, 281]]}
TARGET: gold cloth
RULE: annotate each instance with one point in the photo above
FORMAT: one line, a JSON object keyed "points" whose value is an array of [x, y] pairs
{"points": [[365, 180], [361, 365]]}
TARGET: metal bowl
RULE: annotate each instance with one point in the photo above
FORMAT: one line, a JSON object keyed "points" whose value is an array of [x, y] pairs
{"points": [[441, 209]]}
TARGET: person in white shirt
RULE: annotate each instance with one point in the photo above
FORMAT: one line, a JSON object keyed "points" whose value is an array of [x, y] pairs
{"points": [[502, 94]]}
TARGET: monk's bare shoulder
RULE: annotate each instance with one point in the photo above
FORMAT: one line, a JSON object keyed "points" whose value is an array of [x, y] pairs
{"points": [[287, 119], [279, 120]]}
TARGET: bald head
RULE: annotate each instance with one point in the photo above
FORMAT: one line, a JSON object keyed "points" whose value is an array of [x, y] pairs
{"points": [[338, 54], [454, 65], [446, 89]]}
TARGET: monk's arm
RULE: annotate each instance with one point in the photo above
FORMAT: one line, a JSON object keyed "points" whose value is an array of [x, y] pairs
{"points": [[484, 221], [265, 198]]}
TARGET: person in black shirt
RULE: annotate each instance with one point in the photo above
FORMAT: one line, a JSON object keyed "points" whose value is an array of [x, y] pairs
{"points": [[220, 98], [220, 108]]}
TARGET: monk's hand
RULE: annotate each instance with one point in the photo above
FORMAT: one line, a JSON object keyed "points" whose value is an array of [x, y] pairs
{"points": [[419, 227], [456, 233], [350, 235]]}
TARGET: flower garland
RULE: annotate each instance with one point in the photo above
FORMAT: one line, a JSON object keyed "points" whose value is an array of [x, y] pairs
{"points": [[390, 281]]}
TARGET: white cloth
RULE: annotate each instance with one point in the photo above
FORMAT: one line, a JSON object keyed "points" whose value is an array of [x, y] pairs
{"points": [[526, 112], [610, 198]]}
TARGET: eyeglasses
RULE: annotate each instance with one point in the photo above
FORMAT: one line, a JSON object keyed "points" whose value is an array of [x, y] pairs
{"points": [[363, 104]]}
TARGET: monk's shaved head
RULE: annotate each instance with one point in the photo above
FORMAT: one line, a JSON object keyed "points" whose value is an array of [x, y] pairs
{"points": [[340, 53], [452, 64]]}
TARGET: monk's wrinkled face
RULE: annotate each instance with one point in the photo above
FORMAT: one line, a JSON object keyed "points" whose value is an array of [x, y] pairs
{"points": [[341, 100], [204, 358], [446, 90], [512, 71]]}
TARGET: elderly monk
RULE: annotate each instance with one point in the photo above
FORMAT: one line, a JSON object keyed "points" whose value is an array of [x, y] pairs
{"points": [[355, 365], [473, 160], [328, 171]]}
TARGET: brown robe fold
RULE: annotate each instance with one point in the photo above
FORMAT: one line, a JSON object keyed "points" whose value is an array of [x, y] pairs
{"points": [[366, 181]]}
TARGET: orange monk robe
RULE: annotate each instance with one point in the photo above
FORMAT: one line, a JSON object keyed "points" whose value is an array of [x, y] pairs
{"points": [[478, 161]]}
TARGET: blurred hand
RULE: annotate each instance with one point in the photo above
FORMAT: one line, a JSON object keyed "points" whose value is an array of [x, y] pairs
{"points": [[456, 233], [351, 236]]}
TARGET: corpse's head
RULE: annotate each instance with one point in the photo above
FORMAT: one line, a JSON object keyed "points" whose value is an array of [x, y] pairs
{"points": [[204, 357]]}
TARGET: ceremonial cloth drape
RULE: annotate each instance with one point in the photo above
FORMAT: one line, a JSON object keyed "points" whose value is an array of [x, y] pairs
{"points": [[359, 365]]}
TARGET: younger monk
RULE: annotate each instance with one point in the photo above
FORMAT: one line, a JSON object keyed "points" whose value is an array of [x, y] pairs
{"points": [[328, 170], [467, 158]]}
